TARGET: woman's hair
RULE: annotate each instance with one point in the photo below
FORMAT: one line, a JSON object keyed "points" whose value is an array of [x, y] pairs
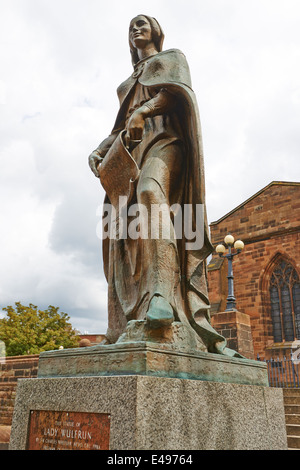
{"points": [[157, 37]]}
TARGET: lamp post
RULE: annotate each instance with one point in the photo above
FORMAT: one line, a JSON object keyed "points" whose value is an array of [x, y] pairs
{"points": [[220, 249]]}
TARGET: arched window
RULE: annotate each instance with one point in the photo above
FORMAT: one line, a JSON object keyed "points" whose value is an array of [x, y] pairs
{"points": [[285, 302]]}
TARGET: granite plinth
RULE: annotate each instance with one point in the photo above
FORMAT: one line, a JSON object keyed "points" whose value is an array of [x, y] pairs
{"points": [[151, 359], [156, 413]]}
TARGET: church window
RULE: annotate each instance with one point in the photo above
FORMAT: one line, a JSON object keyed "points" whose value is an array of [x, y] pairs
{"points": [[285, 302]]}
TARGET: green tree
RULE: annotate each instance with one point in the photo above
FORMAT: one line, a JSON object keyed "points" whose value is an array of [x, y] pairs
{"points": [[27, 330]]}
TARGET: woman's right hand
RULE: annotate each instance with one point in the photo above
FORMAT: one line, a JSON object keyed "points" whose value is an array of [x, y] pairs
{"points": [[94, 160], [97, 155]]}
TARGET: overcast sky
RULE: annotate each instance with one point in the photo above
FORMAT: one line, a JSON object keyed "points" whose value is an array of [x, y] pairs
{"points": [[61, 62]]}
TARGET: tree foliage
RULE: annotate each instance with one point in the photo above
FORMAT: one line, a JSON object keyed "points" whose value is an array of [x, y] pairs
{"points": [[27, 330]]}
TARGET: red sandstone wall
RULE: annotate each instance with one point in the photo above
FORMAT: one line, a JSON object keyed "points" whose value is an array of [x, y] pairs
{"points": [[12, 369], [269, 224]]}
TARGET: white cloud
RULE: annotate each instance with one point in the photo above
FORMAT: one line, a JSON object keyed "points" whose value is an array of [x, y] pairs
{"points": [[61, 63]]}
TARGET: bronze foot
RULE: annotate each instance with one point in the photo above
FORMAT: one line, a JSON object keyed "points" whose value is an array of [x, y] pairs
{"points": [[160, 313]]}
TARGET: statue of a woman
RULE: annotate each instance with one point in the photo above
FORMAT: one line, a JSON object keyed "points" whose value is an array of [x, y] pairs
{"points": [[157, 279]]}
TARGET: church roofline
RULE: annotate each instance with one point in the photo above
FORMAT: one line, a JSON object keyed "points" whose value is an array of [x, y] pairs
{"points": [[273, 183]]}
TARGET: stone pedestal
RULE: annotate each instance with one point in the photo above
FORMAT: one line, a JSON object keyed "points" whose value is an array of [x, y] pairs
{"points": [[163, 392], [157, 413]]}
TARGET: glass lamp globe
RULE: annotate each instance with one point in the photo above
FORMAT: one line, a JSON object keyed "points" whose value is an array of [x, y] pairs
{"points": [[239, 245], [229, 240], [220, 249]]}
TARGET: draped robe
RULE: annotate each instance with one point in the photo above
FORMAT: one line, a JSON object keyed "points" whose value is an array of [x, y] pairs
{"points": [[127, 262]]}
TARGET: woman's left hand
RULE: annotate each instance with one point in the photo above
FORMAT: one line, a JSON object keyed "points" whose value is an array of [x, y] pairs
{"points": [[135, 128]]}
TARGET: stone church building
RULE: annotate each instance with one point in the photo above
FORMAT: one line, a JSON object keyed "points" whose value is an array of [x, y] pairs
{"points": [[266, 273]]}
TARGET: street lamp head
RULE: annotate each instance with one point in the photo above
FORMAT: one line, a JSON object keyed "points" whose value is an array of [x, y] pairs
{"points": [[229, 240], [239, 245], [220, 249]]}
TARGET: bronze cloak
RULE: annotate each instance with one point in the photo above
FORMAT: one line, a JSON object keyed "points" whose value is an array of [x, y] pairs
{"points": [[169, 70]]}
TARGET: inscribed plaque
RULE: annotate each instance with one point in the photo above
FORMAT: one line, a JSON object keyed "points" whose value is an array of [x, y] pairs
{"points": [[62, 430]]}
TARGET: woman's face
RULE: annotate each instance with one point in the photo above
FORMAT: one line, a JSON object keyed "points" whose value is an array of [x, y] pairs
{"points": [[140, 33]]}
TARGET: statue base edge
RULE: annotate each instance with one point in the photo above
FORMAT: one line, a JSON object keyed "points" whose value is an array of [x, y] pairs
{"points": [[151, 359]]}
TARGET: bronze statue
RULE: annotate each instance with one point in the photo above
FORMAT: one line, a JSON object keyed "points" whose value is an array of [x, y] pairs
{"points": [[154, 156]]}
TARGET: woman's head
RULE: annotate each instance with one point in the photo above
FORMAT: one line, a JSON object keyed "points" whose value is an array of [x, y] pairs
{"points": [[142, 29]]}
